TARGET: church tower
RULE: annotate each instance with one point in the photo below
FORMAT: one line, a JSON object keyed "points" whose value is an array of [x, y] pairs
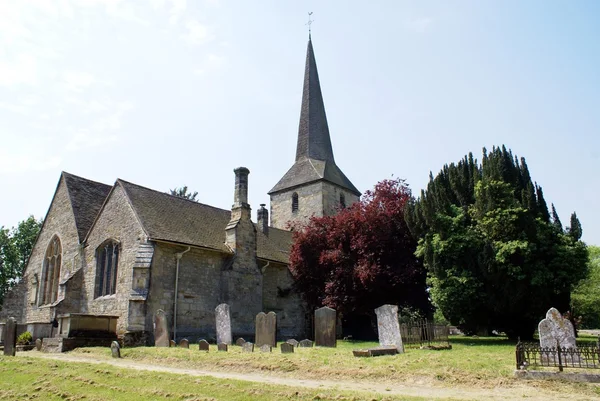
{"points": [[314, 185]]}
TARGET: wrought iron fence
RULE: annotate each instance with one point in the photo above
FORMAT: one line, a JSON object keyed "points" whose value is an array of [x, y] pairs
{"points": [[585, 355], [422, 332]]}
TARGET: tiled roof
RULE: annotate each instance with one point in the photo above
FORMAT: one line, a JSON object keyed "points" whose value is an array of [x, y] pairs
{"points": [[86, 198]]}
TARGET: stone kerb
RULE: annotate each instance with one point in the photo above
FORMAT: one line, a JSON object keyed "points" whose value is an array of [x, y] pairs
{"points": [[388, 327], [325, 325], [223, 324]]}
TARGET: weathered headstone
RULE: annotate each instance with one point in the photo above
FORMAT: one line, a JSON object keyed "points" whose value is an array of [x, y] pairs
{"points": [[248, 347], [388, 327], [286, 348], [172, 343], [10, 337], [305, 343], [38, 344], [184, 343], [266, 327], [555, 327], [240, 341], [223, 324], [161, 331], [265, 348], [115, 349], [222, 347], [293, 342], [325, 323], [203, 345]]}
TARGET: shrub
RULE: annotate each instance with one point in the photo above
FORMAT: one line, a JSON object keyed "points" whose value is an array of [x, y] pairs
{"points": [[24, 338]]}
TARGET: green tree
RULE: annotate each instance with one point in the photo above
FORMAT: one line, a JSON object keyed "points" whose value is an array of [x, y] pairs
{"points": [[586, 295], [495, 257], [183, 193], [15, 248]]}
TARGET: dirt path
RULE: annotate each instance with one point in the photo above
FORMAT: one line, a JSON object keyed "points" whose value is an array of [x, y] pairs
{"points": [[430, 392]]}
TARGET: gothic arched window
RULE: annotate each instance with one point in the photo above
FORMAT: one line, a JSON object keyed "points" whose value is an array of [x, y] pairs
{"points": [[295, 202], [107, 260], [51, 272], [342, 201]]}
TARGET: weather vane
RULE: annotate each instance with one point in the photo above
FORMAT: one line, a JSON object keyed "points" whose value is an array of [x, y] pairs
{"points": [[310, 21]]}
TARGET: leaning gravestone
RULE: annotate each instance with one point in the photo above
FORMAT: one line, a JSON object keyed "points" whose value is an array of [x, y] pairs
{"points": [[286, 348], [222, 347], [325, 322], [240, 341], [555, 331], [161, 331], [223, 324], [388, 327], [115, 349], [10, 337], [305, 344], [266, 327], [293, 342], [265, 348], [248, 347], [38, 344], [184, 343], [203, 345]]}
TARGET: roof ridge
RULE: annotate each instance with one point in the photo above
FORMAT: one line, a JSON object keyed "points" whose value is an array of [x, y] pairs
{"points": [[66, 173]]}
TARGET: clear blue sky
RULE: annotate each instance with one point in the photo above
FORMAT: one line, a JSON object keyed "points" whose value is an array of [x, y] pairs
{"points": [[170, 93]]}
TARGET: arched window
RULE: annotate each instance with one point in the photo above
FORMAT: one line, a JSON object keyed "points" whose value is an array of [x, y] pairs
{"points": [[342, 201], [51, 272], [107, 260], [295, 202]]}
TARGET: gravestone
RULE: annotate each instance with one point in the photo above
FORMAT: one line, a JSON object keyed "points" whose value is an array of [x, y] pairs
{"points": [[38, 344], [172, 343], [286, 348], [325, 323], [223, 324], [161, 331], [266, 327], [184, 343], [293, 342], [265, 348], [555, 327], [203, 345], [10, 337], [222, 347], [305, 344], [248, 347], [240, 341], [115, 349], [388, 327]]}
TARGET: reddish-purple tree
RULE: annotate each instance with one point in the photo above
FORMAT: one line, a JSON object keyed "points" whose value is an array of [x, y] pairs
{"points": [[361, 258]]}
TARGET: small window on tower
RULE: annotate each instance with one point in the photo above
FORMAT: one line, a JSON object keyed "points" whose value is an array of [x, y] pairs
{"points": [[294, 202], [342, 201]]}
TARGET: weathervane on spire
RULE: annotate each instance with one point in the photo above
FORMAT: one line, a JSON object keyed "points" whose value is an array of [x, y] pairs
{"points": [[310, 21]]}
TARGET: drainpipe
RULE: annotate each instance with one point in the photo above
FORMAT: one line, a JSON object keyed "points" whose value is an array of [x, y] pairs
{"points": [[178, 256]]}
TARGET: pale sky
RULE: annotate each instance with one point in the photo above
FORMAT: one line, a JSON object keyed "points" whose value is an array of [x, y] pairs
{"points": [[167, 93]]}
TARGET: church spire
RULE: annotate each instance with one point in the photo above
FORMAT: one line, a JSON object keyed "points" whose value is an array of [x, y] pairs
{"points": [[313, 134]]}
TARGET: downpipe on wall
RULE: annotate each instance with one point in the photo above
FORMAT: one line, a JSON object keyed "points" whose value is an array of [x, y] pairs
{"points": [[176, 297]]}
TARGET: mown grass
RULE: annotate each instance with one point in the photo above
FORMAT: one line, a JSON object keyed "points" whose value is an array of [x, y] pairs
{"points": [[26, 378]]}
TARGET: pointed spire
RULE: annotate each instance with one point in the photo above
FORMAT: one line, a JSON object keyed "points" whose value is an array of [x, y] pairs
{"points": [[313, 134]]}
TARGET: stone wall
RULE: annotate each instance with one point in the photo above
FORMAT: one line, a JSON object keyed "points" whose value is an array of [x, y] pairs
{"points": [[331, 198]]}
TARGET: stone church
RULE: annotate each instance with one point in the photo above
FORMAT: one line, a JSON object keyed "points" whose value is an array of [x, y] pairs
{"points": [[109, 256]]}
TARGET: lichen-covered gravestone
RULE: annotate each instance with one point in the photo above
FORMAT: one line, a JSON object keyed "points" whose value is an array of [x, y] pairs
{"points": [[38, 344], [286, 348], [266, 328], [184, 343], [293, 342], [10, 337], [388, 327], [305, 344], [265, 348], [555, 331], [325, 321], [240, 341], [115, 349], [203, 345], [223, 320], [248, 347], [161, 331]]}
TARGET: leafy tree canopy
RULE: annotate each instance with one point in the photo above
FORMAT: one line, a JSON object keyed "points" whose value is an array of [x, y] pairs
{"points": [[586, 296], [496, 258], [183, 193], [362, 257], [15, 247]]}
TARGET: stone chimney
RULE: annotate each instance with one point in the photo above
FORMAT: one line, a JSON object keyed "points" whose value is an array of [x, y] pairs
{"points": [[262, 216], [240, 233]]}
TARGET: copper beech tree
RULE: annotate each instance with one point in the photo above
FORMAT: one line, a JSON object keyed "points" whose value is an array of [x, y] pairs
{"points": [[362, 257]]}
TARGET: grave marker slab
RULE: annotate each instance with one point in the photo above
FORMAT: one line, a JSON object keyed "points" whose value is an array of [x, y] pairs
{"points": [[388, 327], [555, 331], [222, 347], [305, 344], [325, 323], [266, 328], [172, 343], [240, 341], [248, 347], [286, 348], [265, 348], [115, 349], [38, 344], [161, 331], [203, 345], [293, 342], [10, 337], [223, 319], [184, 343]]}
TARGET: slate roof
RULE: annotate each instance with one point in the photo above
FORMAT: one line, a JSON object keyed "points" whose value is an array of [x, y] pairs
{"points": [[314, 153], [86, 197], [173, 219]]}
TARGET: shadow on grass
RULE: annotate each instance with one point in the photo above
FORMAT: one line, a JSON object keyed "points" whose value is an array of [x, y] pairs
{"points": [[481, 341]]}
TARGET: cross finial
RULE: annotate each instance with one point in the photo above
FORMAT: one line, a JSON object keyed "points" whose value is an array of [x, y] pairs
{"points": [[310, 21]]}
